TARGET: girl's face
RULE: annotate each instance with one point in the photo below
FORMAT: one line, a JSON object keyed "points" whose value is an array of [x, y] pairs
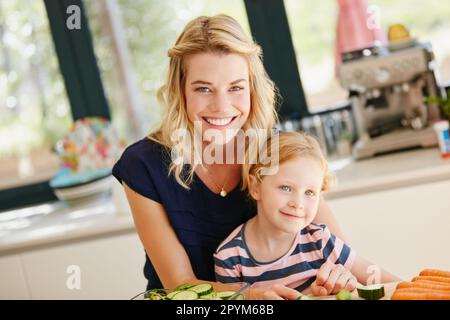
{"points": [[217, 92], [289, 200]]}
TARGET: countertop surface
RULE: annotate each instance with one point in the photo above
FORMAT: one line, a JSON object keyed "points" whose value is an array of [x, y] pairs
{"points": [[56, 223], [389, 289], [396, 170]]}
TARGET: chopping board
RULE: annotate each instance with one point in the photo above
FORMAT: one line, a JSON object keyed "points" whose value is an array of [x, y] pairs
{"points": [[389, 289]]}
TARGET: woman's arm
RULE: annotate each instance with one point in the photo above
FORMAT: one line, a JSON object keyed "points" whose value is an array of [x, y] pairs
{"points": [[156, 234], [173, 267], [325, 216]]}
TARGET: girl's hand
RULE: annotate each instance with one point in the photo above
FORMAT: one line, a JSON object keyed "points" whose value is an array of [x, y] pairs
{"points": [[333, 278], [276, 292]]}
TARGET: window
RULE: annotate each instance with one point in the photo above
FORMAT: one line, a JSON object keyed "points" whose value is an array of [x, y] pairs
{"points": [[34, 107], [313, 28], [131, 39], [428, 21]]}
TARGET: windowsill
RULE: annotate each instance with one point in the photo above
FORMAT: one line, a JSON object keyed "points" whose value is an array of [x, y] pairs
{"points": [[328, 108], [55, 223], [37, 167]]}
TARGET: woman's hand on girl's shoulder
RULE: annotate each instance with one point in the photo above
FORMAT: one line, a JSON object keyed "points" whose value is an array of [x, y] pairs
{"points": [[276, 292]]}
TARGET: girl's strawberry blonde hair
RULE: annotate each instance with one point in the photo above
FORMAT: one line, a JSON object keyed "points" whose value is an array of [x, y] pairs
{"points": [[289, 145], [217, 34]]}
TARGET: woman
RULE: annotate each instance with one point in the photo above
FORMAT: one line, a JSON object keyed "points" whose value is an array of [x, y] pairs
{"points": [[216, 82]]}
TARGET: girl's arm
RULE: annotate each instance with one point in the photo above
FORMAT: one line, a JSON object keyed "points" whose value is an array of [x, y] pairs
{"points": [[369, 273], [173, 267], [325, 216]]}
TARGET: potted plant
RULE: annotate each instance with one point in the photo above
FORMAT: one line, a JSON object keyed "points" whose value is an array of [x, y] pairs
{"points": [[443, 102]]}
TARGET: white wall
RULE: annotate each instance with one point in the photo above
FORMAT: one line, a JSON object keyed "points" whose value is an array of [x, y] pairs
{"points": [[403, 230]]}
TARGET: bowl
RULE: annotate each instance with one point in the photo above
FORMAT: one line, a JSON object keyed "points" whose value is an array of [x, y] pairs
{"points": [[87, 191], [209, 294]]}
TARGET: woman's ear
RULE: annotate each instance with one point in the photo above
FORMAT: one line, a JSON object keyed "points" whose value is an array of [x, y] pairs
{"points": [[253, 187]]}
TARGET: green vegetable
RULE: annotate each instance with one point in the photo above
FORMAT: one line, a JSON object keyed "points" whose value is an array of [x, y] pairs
{"points": [[372, 292], [225, 294], [202, 289], [305, 297], [184, 286], [443, 102], [154, 296], [170, 295], [344, 295], [185, 295]]}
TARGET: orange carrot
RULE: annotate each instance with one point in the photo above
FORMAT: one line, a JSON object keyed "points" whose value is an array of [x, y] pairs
{"points": [[443, 284], [420, 295], [435, 273], [420, 289], [431, 286], [432, 278]]}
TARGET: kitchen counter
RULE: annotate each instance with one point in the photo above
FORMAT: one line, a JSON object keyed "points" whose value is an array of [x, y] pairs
{"points": [[56, 223], [389, 289], [396, 170]]}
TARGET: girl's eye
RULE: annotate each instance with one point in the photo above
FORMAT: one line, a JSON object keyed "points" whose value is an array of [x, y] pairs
{"points": [[236, 88], [203, 89], [286, 188], [310, 193]]}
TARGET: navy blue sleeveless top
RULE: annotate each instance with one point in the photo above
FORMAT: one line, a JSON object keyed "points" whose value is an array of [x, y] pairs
{"points": [[201, 219]]}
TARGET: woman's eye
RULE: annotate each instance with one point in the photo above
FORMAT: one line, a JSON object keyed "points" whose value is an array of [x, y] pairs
{"points": [[310, 193], [236, 88], [286, 188], [203, 89]]}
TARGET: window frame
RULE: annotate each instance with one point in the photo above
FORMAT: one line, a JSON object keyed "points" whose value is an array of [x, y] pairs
{"points": [[269, 26], [82, 83], [77, 61]]}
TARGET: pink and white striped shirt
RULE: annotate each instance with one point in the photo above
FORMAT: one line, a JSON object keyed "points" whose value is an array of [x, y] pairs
{"points": [[313, 246]]}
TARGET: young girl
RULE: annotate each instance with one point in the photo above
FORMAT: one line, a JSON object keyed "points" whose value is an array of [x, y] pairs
{"points": [[281, 245]]}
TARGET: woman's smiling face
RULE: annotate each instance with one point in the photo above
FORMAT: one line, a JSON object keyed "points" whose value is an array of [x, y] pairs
{"points": [[217, 92]]}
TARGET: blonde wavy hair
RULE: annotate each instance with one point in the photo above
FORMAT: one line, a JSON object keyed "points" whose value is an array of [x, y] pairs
{"points": [[289, 145], [217, 34]]}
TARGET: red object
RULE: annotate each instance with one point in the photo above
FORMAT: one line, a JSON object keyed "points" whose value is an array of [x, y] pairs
{"points": [[358, 27]]}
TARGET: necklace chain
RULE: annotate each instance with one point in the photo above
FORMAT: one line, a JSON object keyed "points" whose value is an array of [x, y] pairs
{"points": [[223, 193]]}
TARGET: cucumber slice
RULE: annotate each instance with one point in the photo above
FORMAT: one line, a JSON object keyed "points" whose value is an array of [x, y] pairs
{"points": [[184, 286], [202, 289], [240, 297], [209, 296], [372, 292], [225, 294], [171, 294], [344, 295], [185, 295]]}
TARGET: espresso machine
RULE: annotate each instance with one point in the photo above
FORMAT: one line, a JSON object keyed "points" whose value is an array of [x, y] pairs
{"points": [[387, 88]]}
